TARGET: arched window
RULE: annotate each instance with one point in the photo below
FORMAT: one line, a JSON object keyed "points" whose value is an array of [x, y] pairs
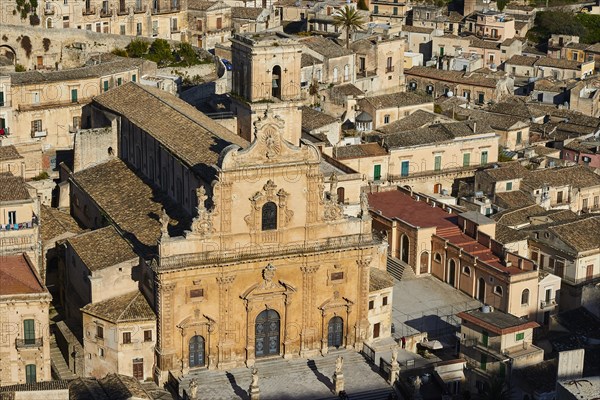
{"points": [[276, 82], [525, 297], [451, 279], [269, 216], [346, 72], [412, 86], [498, 290], [335, 75], [437, 257], [467, 271]]}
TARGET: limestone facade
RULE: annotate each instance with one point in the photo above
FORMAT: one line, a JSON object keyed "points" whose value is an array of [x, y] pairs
{"points": [[267, 75], [282, 273], [119, 337], [24, 303], [47, 108], [19, 220]]}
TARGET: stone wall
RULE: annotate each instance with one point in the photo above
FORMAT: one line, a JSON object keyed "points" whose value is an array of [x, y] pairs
{"points": [[93, 146], [66, 48]]}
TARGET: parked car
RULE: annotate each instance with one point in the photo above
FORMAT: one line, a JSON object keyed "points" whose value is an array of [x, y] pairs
{"points": [[228, 65]]}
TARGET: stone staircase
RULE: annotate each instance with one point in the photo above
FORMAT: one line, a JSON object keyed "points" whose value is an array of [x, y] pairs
{"points": [[59, 367], [399, 269]]}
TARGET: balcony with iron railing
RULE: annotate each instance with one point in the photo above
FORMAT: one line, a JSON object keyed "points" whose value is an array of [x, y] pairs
{"points": [[389, 69], [106, 12], [29, 343], [4, 132], [123, 11], [49, 10], [139, 9], [548, 303], [88, 11]]}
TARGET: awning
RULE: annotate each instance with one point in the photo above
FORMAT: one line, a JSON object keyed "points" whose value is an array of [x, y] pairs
{"points": [[452, 376]]}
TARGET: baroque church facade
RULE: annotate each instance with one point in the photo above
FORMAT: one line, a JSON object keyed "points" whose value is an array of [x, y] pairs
{"points": [[270, 268]]}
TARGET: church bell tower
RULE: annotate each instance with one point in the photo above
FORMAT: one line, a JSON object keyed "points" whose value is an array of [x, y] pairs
{"points": [[266, 75]]}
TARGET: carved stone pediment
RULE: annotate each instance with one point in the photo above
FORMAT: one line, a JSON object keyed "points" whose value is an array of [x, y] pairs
{"points": [[197, 319], [336, 301], [268, 286], [269, 194], [268, 146]]}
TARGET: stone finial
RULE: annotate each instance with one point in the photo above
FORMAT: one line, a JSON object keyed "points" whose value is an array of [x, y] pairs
{"points": [[164, 223], [193, 389], [254, 390]]}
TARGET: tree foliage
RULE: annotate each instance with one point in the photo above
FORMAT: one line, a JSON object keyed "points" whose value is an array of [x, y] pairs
{"points": [[547, 23], [137, 48], [186, 54], [160, 52], [349, 19]]}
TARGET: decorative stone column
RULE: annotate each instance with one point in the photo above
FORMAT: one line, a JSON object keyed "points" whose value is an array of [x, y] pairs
{"points": [[224, 283], [308, 308], [362, 323]]}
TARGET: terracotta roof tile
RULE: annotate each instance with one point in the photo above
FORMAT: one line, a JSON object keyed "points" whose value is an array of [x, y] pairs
{"points": [[394, 100], [379, 279], [325, 47], [13, 188], [17, 276], [9, 153], [192, 136], [115, 65], [313, 119], [55, 223], [132, 204], [125, 308], [581, 235], [359, 151], [101, 248]]}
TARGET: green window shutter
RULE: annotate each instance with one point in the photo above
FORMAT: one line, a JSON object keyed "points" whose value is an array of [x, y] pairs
{"points": [[1, 99], [404, 168], [74, 95], [483, 362], [119, 81], [484, 338], [466, 159], [484, 157], [29, 331], [105, 86], [437, 165], [30, 373], [508, 186], [377, 172], [133, 78], [520, 336]]}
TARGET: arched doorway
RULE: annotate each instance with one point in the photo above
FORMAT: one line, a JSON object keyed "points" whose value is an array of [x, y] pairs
{"points": [[269, 216], [335, 332], [267, 334], [451, 272], [404, 243], [424, 262], [196, 351], [481, 290], [276, 82]]}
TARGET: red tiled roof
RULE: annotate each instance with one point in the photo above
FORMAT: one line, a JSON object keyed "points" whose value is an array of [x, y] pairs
{"points": [[395, 204], [18, 277]]}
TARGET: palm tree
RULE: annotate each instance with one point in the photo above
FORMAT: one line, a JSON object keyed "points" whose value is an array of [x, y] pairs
{"points": [[495, 390], [349, 19]]}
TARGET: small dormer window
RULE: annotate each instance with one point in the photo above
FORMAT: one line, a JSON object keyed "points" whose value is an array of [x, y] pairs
{"points": [[269, 216]]}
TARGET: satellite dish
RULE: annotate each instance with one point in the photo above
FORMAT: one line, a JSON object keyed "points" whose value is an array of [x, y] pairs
{"points": [[450, 94]]}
